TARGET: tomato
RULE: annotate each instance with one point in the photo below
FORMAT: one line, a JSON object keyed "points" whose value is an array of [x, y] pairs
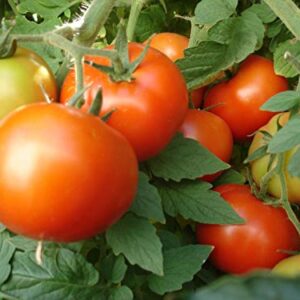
{"points": [[224, 188], [289, 267], [64, 175], [238, 100], [20, 78], [149, 109], [173, 45], [211, 132], [259, 167], [259, 243]]}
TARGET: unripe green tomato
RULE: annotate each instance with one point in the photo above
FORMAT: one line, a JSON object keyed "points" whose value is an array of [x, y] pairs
{"points": [[289, 267], [21, 78], [259, 167]]}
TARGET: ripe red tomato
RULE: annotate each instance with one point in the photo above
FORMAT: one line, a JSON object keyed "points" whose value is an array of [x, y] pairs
{"points": [[259, 243], [238, 100], [173, 45], [64, 175], [21, 77], [149, 109], [210, 131]]}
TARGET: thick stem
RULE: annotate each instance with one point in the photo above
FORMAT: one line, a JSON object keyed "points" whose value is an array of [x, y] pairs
{"points": [[265, 182], [135, 10], [13, 6], [288, 12], [92, 21], [79, 72], [284, 193]]}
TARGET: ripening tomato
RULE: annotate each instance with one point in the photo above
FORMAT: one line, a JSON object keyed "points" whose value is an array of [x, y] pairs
{"points": [[65, 175], [173, 45], [21, 78], [259, 243], [260, 166], [238, 100], [288, 267], [148, 109], [211, 132]]}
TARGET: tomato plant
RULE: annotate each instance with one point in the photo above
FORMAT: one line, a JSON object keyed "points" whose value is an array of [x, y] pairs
{"points": [[260, 167], [65, 179], [149, 109], [211, 132], [22, 78], [238, 100], [259, 243]]}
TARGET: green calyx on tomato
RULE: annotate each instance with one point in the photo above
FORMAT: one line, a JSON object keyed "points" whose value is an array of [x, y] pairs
{"points": [[261, 242], [238, 100], [147, 110], [24, 77], [65, 175]]}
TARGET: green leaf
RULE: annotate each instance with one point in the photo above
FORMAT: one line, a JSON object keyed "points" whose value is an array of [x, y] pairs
{"points": [[147, 202], [254, 287], [169, 239], [286, 67], [230, 176], [113, 268], [263, 11], [180, 266], [62, 275], [282, 101], [137, 240], [195, 201], [185, 159], [293, 165], [210, 12], [257, 154], [287, 137], [121, 293], [7, 251]]}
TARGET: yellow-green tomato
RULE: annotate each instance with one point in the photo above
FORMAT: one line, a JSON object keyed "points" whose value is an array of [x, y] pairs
{"points": [[259, 167], [289, 267], [21, 78]]}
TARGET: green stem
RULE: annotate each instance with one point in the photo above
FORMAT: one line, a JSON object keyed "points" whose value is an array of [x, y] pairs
{"points": [[288, 12], [79, 72], [92, 21], [265, 182], [284, 193], [135, 10], [13, 6]]}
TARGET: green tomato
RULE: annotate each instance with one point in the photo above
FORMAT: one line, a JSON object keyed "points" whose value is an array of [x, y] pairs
{"points": [[259, 167], [289, 267], [22, 77]]}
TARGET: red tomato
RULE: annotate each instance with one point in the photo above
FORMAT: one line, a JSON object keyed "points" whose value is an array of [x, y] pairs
{"points": [[259, 243], [224, 188], [211, 132], [238, 100], [149, 109], [173, 45], [64, 175]]}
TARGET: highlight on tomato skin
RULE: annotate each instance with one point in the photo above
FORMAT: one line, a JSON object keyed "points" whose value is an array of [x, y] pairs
{"points": [[261, 242], [65, 175], [239, 99], [148, 110], [210, 131]]}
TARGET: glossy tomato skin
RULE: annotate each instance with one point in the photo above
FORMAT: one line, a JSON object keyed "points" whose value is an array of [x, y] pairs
{"points": [[210, 131], [259, 167], [20, 78], [255, 244], [149, 109], [238, 100], [64, 175]]}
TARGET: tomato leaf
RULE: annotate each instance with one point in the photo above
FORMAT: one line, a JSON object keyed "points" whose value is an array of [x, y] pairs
{"points": [[283, 66], [7, 251], [137, 240], [210, 12], [257, 154], [282, 101], [287, 137], [293, 165], [195, 201], [230, 176], [180, 266], [147, 202], [257, 286], [263, 11], [121, 293], [185, 159], [62, 275], [169, 239]]}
